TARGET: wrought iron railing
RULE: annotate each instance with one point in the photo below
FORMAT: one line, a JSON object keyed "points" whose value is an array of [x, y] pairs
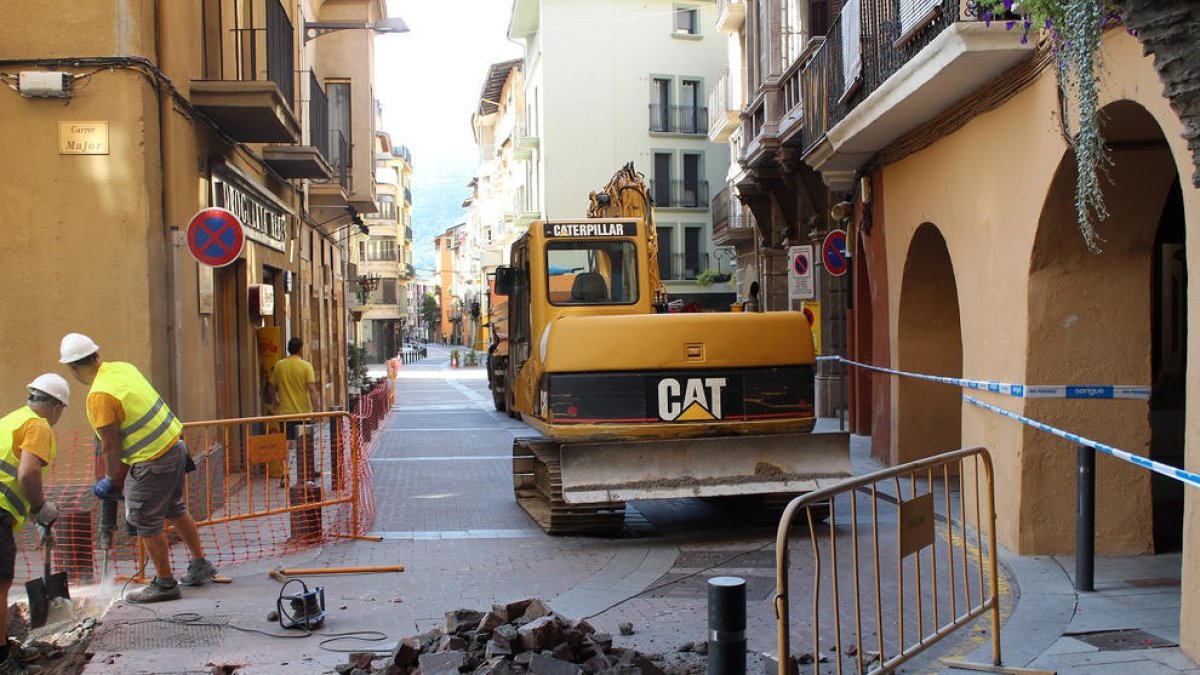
{"points": [[887, 44], [680, 119], [318, 116], [270, 48], [679, 194], [682, 266], [339, 158], [281, 53], [730, 217]]}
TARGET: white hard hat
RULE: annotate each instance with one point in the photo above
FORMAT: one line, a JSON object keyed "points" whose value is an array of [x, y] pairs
{"points": [[76, 346], [53, 385]]}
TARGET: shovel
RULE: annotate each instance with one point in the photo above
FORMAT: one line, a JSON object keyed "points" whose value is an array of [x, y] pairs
{"points": [[50, 586]]}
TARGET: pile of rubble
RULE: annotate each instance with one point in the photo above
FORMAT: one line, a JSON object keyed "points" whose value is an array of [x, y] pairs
{"points": [[521, 637]]}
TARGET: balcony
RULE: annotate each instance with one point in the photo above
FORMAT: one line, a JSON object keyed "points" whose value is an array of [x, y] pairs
{"points": [[877, 78], [407, 233], [333, 194], [312, 160], [682, 266], [524, 147], [679, 194], [726, 117], [732, 223], [250, 97], [731, 14], [678, 119], [408, 196]]}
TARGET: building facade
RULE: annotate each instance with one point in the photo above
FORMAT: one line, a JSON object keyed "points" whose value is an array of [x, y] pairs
{"points": [[940, 144], [173, 108], [592, 108], [383, 256]]}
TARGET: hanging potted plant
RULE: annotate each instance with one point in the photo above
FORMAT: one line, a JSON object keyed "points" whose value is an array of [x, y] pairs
{"points": [[710, 276]]}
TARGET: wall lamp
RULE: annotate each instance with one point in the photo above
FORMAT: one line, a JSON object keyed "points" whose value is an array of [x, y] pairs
{"points": [[315, 29]]}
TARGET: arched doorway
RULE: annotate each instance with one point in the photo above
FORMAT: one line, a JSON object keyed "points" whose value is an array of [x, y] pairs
{"points": [[929, 338], [1109, 318]]}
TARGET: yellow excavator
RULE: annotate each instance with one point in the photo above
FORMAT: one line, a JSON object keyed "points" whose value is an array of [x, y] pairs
{"points": [[633, 402]]}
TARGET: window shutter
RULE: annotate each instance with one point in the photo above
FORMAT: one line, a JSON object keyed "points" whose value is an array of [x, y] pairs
{"points": [[915, 13], [851, 43]]}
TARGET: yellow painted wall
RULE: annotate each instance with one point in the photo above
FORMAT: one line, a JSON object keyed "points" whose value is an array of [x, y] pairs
{"points": [[986, 188]]}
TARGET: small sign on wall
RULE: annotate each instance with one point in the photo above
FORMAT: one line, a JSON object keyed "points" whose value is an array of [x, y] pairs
{"points": [[83, 138]]}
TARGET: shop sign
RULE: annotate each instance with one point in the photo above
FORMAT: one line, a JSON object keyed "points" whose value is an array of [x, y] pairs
{"points": [[264, 221], [83, 138]]}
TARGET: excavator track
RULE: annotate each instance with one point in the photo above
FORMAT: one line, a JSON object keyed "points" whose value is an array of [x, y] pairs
{"points": [[537, 485]]}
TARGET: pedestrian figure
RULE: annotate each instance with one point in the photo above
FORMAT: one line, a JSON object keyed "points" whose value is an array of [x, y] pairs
{"points": [[292, 386], [141, 441], [752, 304], [27, 449]]}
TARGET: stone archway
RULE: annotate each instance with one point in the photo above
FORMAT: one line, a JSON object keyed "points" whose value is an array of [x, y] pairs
{"points": [[929, 340], [1091, 321]]}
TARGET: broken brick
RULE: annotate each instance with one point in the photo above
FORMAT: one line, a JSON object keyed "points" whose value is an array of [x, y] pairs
{"points": [[541, 633], [536, 610], [462, 620], [540, 664], [442, 663], [451, 643], [491, 621], [406, 652]]}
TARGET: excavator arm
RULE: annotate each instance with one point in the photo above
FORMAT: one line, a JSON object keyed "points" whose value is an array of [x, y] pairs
{"points": [[627, 196]]}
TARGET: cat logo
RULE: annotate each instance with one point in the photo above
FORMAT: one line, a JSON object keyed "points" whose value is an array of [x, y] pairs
{"points": [[693, 400]]}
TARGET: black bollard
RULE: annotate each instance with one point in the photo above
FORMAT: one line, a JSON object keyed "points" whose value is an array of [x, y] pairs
{"points": [[1085, 519], [726, 626]]}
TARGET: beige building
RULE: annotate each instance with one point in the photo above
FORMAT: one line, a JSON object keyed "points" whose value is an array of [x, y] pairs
{"points": [[382, 256], [942, 143], [127, 119], [607, 83]]}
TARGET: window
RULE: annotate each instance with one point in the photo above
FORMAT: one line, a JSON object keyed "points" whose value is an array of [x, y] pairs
{"points": [[592, 272], [692, 196], [665, 234], [691, 252], [387, 207], [388, 288], [685, 21], [339, 122], [661, 183], [381, 249], [660, 104], [689, 107]]}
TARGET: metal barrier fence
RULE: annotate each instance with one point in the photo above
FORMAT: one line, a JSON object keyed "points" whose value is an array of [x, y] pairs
{"points": [[950, 577], [263, 487]]}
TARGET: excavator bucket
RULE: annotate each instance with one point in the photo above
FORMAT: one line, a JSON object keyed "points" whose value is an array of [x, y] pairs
{"points": [[703, 467]]}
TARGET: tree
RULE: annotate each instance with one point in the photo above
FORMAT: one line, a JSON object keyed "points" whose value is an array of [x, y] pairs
{"points": [[429, 309]]}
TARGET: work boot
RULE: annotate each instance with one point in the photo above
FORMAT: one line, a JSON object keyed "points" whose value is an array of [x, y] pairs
{"points": [[24, 654], [13, 666], [199, 571], [155, 591]]}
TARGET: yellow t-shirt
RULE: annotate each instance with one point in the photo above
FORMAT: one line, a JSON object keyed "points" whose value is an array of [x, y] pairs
{"points": [[34, 436], [291, 377]]}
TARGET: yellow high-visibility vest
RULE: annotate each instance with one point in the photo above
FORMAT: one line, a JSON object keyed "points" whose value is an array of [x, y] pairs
{"points": [[11, 498], [149, 426]]}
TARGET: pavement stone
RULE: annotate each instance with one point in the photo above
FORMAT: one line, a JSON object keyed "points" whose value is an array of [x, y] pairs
{"points": [[445, 511]]}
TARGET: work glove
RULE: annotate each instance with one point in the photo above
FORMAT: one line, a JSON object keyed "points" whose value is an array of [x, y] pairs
{"points": [[46, 515], [45, 536], [105, 488]]}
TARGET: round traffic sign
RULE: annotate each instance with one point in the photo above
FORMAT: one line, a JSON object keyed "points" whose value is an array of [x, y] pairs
{"points": [[833, 253], [801, 264], [808, 314], [215, 237]]}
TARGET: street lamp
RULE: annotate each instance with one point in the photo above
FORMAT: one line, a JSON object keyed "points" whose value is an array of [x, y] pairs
{"points": [[367, 283], [315, 29], [722, 254]]}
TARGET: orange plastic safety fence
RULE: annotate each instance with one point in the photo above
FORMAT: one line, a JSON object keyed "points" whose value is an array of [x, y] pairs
{"points": [[262, 487]]}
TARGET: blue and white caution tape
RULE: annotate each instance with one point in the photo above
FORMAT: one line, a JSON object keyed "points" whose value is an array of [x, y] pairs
{"points": [[1178, 474], [1076, 391]]}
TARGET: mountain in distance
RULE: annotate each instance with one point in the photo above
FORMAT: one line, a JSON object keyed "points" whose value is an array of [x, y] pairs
{"points": [[439, 186]]}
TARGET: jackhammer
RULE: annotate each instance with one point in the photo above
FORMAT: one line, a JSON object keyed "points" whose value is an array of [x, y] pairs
{"points": [[106, 524]]}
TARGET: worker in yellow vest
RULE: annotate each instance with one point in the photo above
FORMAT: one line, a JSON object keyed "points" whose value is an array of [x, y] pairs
{"points": [[27, 448], [142, 444]]}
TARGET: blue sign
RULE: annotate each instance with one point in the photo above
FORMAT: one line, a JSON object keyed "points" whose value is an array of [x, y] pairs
{"points": [[833, 253]]}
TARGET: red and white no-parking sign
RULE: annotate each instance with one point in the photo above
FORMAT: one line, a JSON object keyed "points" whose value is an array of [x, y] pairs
{"points": [[215, 237]]}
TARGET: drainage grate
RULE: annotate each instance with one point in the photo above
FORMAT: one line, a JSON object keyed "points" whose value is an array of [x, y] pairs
{"points": [[764, 559], [1122, 640], [160, 635]]}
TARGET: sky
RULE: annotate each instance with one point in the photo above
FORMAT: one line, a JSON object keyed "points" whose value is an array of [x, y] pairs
{"points": [[428, 82]]}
